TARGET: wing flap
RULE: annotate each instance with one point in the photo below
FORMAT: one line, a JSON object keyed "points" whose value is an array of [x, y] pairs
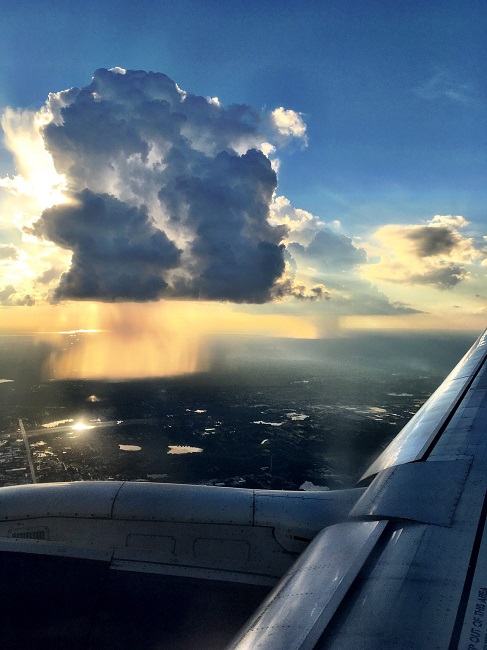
{"points": [[299, 608], [426, 492]]}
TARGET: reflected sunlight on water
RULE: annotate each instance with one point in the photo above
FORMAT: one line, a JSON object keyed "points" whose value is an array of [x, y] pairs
{"points": [[81, 426], [56, 423], [184, 449]]}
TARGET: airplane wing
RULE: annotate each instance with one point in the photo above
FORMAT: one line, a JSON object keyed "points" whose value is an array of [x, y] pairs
{"points": [[408, 569], [398, 562]]}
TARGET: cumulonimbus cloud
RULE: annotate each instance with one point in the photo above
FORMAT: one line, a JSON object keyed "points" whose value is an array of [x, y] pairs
{"points": [[170, 196], [157, 193]]}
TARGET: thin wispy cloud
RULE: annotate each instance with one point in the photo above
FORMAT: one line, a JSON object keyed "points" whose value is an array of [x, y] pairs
{"points": [[442, 85]]}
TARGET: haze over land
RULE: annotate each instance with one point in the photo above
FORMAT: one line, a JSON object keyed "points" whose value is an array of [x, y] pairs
{"points": [[269, 413]]}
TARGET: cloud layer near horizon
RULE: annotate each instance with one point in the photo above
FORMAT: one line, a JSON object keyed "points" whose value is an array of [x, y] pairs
{"points": [[436, 253]]}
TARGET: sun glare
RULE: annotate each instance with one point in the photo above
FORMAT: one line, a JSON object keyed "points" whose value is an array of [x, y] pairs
{"points": [[37, 177], [81, 426]]}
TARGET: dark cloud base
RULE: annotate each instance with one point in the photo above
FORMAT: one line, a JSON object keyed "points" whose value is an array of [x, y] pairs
{"points": [[118, 253]]}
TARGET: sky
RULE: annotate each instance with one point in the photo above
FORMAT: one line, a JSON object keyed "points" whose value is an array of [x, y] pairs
{"points": [[260, 167]]}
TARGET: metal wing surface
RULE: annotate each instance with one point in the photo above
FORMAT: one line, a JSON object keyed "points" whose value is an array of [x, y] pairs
{"points": [[410, 569]]}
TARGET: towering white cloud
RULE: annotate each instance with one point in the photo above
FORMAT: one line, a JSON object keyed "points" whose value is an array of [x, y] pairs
{"points": [[170, 196]]}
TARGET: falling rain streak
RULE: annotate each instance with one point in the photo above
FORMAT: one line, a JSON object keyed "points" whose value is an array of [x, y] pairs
{"points": [[128, 340], [114, 355]]}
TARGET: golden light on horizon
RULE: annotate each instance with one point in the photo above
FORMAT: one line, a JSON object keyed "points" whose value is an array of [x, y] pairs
{"points": [[120, 341], [418, 322], [133, 340]]}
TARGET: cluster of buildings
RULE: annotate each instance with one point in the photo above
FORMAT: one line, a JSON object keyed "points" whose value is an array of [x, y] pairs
{"points": [[14, 462]]}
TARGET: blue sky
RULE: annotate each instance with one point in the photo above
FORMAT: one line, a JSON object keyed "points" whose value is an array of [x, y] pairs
{"points": [[394, 93], [393, 99]]}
